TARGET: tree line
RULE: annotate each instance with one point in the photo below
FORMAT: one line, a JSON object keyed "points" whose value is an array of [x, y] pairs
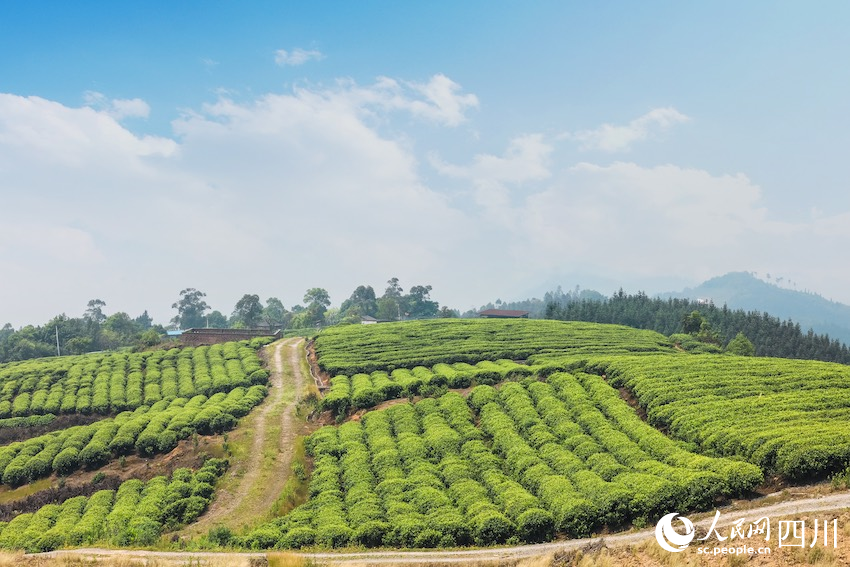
{"points": [[249, 312], [96, 331], [769, 335]]}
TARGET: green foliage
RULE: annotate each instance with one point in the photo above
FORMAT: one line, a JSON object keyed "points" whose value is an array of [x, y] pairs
{"points": [[741, 346], [354, 349], [841, 480], [135, 514], [66, 461], [248, 311], [784, 415], [769, 335], [190, 309], [92, 332], [166, 396], [521, 462], [219, 535]]}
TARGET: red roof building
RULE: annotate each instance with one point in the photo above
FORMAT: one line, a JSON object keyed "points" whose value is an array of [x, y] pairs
{"points": [[503, 314]]}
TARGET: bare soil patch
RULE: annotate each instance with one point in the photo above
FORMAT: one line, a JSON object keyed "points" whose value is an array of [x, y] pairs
{"points": [[12, 434]]}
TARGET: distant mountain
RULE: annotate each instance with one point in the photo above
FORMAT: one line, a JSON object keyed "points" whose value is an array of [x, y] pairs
{"points": [[741, 290]]}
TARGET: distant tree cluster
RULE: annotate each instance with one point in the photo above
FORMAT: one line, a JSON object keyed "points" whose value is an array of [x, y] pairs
{"points": [[537, 307], [96, 330], [393, 305], [768, 335], [92, 332]]}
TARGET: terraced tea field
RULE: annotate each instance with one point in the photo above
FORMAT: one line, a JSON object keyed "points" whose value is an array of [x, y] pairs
{"points": [[501, 432]]}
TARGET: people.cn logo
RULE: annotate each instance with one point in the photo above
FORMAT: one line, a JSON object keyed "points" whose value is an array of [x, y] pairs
{"points": [[670, 539]]}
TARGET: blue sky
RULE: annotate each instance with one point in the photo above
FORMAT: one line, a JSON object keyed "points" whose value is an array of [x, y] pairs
{"points": [[490, 149]]}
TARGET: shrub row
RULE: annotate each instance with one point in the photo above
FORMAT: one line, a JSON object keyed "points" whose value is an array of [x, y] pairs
{"points": [[109, 383], [787, 416], [518, 463], [146, 431], [136, 514], [356, 349], [363, 391]]}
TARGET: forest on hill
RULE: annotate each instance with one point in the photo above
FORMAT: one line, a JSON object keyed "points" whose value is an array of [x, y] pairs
{"points": [[748, 291], [769, 335]]}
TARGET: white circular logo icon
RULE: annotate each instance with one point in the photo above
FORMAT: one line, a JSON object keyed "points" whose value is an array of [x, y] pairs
{"points": [[670, 539]]}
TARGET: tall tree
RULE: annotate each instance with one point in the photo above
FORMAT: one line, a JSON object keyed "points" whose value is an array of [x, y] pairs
{"points": [[692, 322], [121, 324], [216, 320], [419, 304], [191, 308], [274, 313], [447, 312], [390, 304], [144, 320], [769, 335], [317, 300], [248, 310], [362, 302], [393, 288], [94, 311]]}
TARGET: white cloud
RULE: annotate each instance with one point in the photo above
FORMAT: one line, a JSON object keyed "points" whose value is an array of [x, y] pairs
{"points": [[495, 178], [444, 103], [129, 108], [39, 132], [644, 221], [284, 192], [632, 223], [611, 138], [526, 159], [293, 189], [296, 57], [117, 108], [439, 100], [58, 244]]}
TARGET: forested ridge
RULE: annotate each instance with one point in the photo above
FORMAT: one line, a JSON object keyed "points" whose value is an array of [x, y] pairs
{"points": [[770, 336], [95, 331]]}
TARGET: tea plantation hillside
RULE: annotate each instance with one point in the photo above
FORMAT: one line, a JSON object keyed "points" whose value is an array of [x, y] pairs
{"points": [[133, 403], [518, 463], [355, 349], [499, 431], [790, 417], [543, 444]]}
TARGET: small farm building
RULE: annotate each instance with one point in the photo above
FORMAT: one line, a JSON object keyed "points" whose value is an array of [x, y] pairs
{"points": [[503, 314]]}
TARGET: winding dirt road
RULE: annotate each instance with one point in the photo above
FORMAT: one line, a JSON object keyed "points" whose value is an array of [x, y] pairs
{"points": [[259, 486]]}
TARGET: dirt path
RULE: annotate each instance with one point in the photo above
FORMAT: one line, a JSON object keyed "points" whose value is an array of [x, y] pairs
{"points": [[258, 483], [831, 502]]}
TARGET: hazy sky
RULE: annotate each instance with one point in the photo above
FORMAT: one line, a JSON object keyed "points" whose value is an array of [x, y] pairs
{"points": [[488, 148]]}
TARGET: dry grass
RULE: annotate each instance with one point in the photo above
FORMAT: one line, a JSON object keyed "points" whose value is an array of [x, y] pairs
{"points": [[295, 491], [650, 554], [8, 494], [136, 560], [286, 560]]}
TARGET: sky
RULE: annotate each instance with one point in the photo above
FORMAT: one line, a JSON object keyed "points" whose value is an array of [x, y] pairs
{"points": [[490, 149]]}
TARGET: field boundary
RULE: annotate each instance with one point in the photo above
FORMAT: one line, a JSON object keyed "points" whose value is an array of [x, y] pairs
{"points": [[829, 503]]}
